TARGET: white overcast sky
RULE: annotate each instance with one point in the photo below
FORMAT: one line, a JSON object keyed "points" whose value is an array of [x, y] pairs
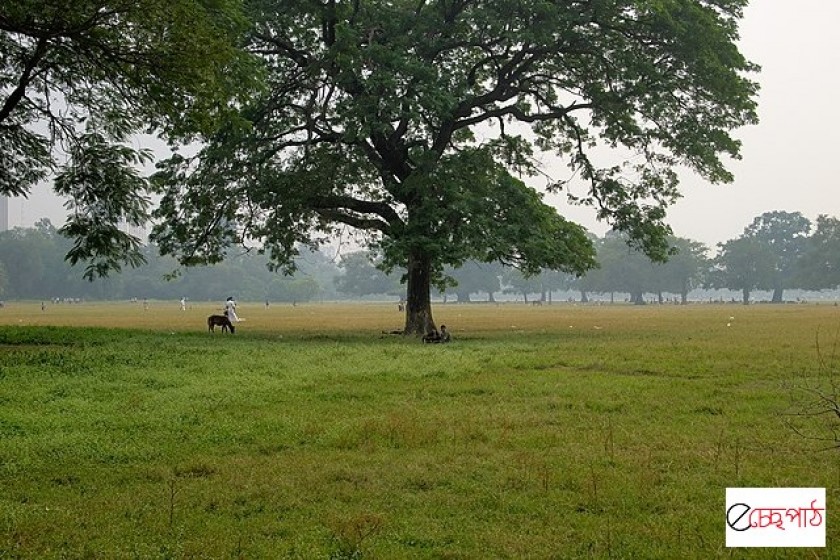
{"points": [[788, 159]]}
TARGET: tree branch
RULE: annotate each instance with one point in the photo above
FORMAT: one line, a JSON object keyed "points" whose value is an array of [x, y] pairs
{"points": [[300, 57], [520, 115], [356, 221], [339, 205], [26, 77]]}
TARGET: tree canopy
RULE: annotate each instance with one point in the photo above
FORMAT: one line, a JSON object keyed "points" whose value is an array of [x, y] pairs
{"points": [[78, 78], [396, 118], [35, 268], [744, 264], [624, 269], [412, 121], [363, 277], [785, 234]]}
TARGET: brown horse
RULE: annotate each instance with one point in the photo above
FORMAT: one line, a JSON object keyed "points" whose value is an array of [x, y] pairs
{"points": [[222, 321]]}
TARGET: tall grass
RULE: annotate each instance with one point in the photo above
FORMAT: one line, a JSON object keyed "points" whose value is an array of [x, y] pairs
{"points": [[540, 432]]}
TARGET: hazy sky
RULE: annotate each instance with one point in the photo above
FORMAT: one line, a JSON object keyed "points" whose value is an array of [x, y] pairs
{"points": [[788, 159]]}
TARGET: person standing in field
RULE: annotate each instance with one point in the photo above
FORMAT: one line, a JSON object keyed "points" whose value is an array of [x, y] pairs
{"points": [[183, 304], [230, 310]]}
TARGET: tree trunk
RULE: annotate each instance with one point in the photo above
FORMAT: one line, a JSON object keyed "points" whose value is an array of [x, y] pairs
{"points": [[584, 298], [746, 296], [492, 299], [418, 308], [777, 294], [638, 298]]}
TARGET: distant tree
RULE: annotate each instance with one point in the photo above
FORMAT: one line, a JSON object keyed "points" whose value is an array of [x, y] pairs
{"points": [[819, 265], [287, 288], [624, 269], [554, 280], [515, 282], [744, 264], [79, 78], [321, 268], [547, 281], [23, 253], [784, 235], [361, 276], [473, 277], [684, 270], [40, 270], [370, 114], [620, 269]]}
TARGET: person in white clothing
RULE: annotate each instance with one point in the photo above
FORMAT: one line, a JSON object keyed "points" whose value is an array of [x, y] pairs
{"points": [[230, 310]]}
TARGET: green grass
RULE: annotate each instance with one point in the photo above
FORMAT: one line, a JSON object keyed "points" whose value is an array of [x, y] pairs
{"points": [[541, 432]]}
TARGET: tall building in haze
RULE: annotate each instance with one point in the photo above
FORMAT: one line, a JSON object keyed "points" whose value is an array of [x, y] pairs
{"points": [[4, 213]]}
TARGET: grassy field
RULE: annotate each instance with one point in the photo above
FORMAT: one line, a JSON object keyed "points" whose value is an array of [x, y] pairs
{"points": [[540, 432]]}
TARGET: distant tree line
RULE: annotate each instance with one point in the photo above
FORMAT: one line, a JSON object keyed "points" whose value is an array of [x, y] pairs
{"points": [[777, 251], [33, 266]]}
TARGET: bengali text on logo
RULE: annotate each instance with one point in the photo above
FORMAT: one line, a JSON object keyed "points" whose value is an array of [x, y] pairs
{"points": [[775, 517]]}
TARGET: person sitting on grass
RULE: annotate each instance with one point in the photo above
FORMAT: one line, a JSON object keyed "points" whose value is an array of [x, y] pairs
{"points": [[435, 337], [432, 336]]}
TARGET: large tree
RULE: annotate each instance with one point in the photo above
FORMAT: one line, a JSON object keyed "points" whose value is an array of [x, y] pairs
{"points": [[784, 235], [622, 269], [743, 264], [78, 78], [685, 270], [473, 277], [410, 120]]}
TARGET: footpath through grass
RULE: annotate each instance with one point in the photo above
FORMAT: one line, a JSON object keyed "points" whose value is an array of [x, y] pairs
{"points": [[540, 432]]}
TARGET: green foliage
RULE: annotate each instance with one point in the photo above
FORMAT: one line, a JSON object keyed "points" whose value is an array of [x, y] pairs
{"points": [[624, 269], [78, 78], [543, 283], [743, 264], [685, 269], [30, 256], [370, 114], [34, 260], [104, 188], [819, 265], [363, 277], [472, 277], [766, 255]]}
